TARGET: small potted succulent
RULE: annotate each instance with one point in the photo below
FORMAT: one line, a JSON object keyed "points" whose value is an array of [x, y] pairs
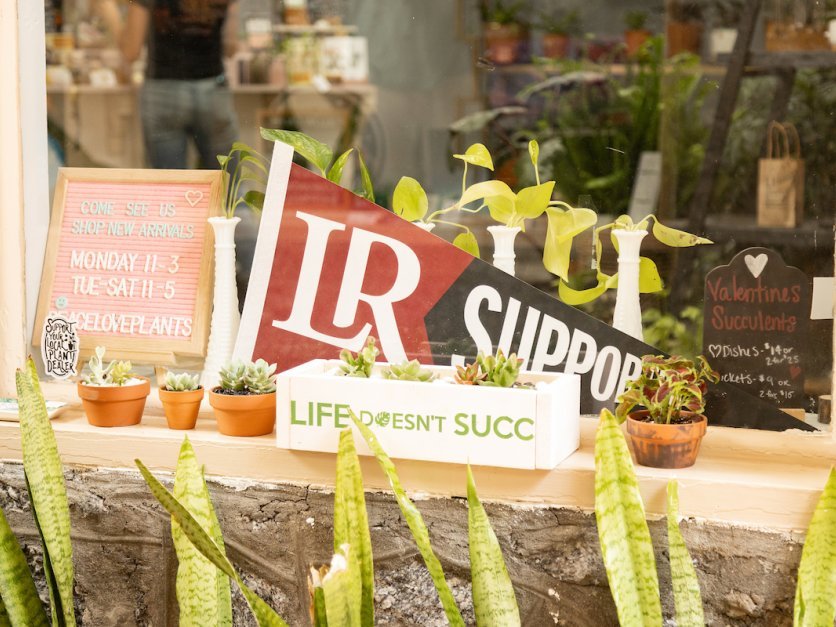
{"points": [[636, 33], [667, 431], [683, 30], [505, 33], [181, 395], [245, 400], [558, 29], [112, 395]]}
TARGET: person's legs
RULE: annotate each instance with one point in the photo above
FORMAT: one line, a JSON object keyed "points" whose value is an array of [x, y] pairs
{"points": [[165, 109], [215, 125]]}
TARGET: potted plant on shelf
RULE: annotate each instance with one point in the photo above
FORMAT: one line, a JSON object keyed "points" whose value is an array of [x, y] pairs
{"points": [[245, 400], [181, 395], [683, 30], [667, 432], [505, 34], [636, 33], [112, 395], [726, 14], [558, 29]]}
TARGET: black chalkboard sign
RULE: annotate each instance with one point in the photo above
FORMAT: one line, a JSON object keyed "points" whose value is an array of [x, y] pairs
{"points": [[755, 330]]}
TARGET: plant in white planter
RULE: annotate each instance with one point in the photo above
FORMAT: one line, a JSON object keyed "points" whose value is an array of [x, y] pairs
{"points": [[726, 17], [181, 395], [409, 371], [112, 395], [636, 275]]}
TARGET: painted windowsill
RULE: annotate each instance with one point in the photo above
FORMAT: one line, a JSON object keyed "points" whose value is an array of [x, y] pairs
{"points": [[745, 477]]}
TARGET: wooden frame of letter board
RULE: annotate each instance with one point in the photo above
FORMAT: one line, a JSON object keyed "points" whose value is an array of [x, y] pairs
{"points": [[164, 352]]}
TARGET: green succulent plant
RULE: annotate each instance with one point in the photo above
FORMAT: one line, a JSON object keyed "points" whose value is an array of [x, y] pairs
{"points": [[260, 377], [232, 375], [361, 364], [183, 382], [500, 371], [115, 373], [469, 374], [408, 371]]}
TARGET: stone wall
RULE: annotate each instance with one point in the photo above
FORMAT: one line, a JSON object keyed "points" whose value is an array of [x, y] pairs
{"points": [[125, 563]]}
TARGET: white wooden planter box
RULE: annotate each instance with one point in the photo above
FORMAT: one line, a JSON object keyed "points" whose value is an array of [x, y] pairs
{"points": [[444, 422]]}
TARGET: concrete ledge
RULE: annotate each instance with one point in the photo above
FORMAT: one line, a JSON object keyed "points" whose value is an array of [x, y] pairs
{"points": [[743, 477]]}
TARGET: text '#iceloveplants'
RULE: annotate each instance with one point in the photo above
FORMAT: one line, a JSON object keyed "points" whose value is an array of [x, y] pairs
{"points": [[337, 416]]}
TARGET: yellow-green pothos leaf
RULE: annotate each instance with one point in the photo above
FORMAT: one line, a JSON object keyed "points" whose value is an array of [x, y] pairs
{"points": [[501, 209], [335, 174], [572, 296], [416, 524], [486, 189], [366, 187], [477, 154], [815, 593], [494, 602], [46, 488], [467, 242], [675, 237], [409, 199], [265, 615], [534, 152], [314, 151], [622, 530], [563, 227], [686, 588], [532, 201], [649, 279], [203, 592], [351, 527], [17, 588]]}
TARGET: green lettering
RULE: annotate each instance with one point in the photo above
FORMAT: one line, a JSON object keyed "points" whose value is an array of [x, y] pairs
{"points": [[397, 421], [341, 412], [366, 417], [409, 422], [321, 413], [423, 423], [496, 427], [293, 420], [459, 418], [517, 429]]}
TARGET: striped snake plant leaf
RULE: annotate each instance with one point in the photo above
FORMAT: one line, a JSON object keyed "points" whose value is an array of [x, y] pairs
{"points": [[416, 524], [686, 588], [622, 530], [4, 617], [351, 525], [47, 491], [815, 594], [341, 606], [203, 592], [20, 602], [493, 593], [318, 613], [265, 615], [55, 607]]}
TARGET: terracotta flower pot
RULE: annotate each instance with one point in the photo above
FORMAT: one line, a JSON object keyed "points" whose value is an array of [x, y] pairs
{"points": [[245, 414], [633, 40], [683, 37], [114, 406], [181, 408], [555, 45], [504, 42], [665, 446]]}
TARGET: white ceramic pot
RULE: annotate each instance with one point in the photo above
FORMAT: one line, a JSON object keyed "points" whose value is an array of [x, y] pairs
{"points": [[722, 41], [503, 247], [628, 312], [225, 314]]}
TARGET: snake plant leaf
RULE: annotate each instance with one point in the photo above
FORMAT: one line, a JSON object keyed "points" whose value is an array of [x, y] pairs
{"points": [[265, 615], [366, 187], [649, 279], [314, 151], [532, 201], [486, 189], [51, 585], [409, 199], [22, 606], [686, 588], [493, 593], [4, 617], [46, 487], [622, 530], [342, 608], [477, 154], [815, 601], [675, 237], [351, 526], [467, 242], [416, 525], [319, 615], [335, 174], [203, 592], [563, 227]]}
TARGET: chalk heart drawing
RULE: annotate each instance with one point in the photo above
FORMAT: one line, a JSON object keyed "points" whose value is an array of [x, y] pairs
{"points": [[756, 264], [795, 371], [194, 196], [714, 349]]}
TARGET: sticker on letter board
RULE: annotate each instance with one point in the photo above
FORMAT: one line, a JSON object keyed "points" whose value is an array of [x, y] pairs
{"points": [[59, 347], [331, 268]]}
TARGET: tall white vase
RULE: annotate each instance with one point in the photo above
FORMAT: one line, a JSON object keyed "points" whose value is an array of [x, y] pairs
{"points": [[503, 247], [628, 311], [225, 314]]}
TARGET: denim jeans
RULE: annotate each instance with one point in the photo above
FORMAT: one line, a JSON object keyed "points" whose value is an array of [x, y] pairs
{"points": [[173, 111]]}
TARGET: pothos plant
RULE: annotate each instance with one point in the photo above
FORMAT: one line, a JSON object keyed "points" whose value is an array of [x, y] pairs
{"points": [[649, 279], [243, 165], [505, 206]]}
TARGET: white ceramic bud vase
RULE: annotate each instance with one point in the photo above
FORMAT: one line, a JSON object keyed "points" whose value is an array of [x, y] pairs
{"points": [[427, 226], [628, 311], [225, 314], [503, 247]]}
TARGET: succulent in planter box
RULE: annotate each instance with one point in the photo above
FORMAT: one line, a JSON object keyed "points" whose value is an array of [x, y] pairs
{"points": [[409, 371], [361, 364], [667, 431], [112, 395], [245, 400], [181, 395]]}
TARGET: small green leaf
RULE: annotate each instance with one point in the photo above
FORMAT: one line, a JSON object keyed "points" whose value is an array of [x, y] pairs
{"points": [[17, 588], [579, 297], [486, 189], [410, 200], [416, 525], [254, 200], [534, 153], [649, 279], [532, 201], [501, 209], [477, 154], [563, 227], [686, 587], [314, 151], [222, 160], [335, 174], [494, 602], [365, 179], [675, 237], [467, 242]]}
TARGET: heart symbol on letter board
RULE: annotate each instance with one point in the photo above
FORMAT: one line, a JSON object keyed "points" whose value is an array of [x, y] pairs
{"points": [[756, 264], [194, 196], [795, 371]]}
